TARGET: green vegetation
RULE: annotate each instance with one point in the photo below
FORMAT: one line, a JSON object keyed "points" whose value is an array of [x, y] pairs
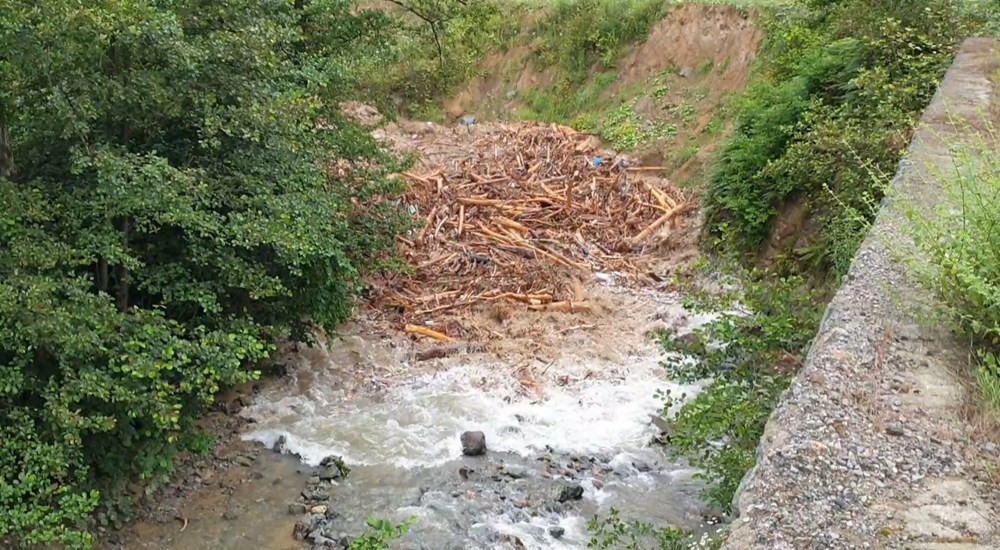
{"points": [[427, 48], [960, 244], [380, 532], [839, 87], [612, 532], [576, 35], [766, 325], [167, 216]]}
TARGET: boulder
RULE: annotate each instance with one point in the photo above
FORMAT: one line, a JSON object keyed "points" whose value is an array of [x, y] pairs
{"points": [[333, 467], [570, 492], [473, 443]]}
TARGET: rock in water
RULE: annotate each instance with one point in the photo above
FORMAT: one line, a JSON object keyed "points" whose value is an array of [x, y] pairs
{"points": [[556, 531], [473, 443], [333, 467], [570, 492]]}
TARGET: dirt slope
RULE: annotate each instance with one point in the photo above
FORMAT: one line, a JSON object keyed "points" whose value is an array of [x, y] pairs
{"points": [[666, 98]]}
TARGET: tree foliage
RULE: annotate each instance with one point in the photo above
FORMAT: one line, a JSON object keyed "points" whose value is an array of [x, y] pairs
{"points": [[168, 212], [842, 83]]}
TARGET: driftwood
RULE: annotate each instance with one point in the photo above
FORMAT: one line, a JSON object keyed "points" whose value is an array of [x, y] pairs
{"points": [[518, 215], [424, 331]]}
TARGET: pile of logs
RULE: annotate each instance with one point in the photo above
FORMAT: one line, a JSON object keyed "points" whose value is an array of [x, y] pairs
{"points": [[522, 216]]}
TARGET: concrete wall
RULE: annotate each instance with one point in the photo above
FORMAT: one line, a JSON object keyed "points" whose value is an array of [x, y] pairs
{"points": [[868, 448]]}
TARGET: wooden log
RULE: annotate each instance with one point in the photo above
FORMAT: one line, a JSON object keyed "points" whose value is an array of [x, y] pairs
{"points": [[661, 197], [566, 306], [511, 224], [645, 233], [438, 352], [424, 331]]}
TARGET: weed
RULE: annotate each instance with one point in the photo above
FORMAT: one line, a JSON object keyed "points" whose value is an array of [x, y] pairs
{"points": [[766, 324], [838, 94], [379, 533], [961, 247], [613, 532]]}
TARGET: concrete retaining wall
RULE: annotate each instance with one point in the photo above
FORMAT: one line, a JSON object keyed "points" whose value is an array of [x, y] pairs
{"points": [[868, 448]]}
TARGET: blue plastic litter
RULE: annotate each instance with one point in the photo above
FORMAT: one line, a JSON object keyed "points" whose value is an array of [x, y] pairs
{"points": [[597, 161]]}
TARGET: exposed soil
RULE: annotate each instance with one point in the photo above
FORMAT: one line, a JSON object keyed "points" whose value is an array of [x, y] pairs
{"points": [[682, 75]]}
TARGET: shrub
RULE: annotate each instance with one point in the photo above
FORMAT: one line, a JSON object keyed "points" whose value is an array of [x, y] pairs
{"points": [[577, 34], [167, 213], [748, 355], [430, 46], [961, 247], [838, 93]]}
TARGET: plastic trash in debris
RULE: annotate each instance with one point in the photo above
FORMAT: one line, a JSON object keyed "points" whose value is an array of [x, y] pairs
{"points": [[597, 161], [467, 120]]}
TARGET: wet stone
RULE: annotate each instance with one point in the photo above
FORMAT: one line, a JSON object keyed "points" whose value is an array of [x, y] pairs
{"points": [[333, 467], [473, 443], [515, 472], [316, 494], [570, 492], [556, 531], [296, 508], [305, 526]]}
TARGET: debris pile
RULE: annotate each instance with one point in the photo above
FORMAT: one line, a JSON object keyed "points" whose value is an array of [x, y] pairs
{"points": [[522, 213]]}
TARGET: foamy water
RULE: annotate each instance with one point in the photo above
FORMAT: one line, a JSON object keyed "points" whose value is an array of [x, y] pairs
{"points": [[404, 446], [418, 423]]}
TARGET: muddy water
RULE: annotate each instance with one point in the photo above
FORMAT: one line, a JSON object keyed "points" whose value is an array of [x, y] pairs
{"points": [[560, 416], [405, 454], [580, 421]]}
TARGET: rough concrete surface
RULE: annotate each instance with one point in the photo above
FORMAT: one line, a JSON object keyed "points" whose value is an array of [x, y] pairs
{"points": [[868, 448]]}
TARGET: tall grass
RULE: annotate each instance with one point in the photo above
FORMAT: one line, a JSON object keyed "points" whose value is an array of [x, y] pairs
{"points": [[960, 241]]}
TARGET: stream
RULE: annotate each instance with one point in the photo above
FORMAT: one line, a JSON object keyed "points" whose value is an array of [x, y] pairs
{"points": [[586, 424], [565, 408]]}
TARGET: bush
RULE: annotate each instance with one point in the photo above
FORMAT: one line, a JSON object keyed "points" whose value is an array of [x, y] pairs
{"points": [[837, 96], [167, 213], [429, 47], [614, 532], [749, 354], [577, 34], [960, 244]]}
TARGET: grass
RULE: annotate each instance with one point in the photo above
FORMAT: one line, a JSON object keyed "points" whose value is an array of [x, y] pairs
{"points": [[959, 244]]}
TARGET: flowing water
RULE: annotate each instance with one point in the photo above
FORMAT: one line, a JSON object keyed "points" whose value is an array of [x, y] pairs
{"points": [[585, 422], [562, 404]]}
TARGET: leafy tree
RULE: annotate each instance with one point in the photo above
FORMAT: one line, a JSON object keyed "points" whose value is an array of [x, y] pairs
{"points": [[168, 212]]}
